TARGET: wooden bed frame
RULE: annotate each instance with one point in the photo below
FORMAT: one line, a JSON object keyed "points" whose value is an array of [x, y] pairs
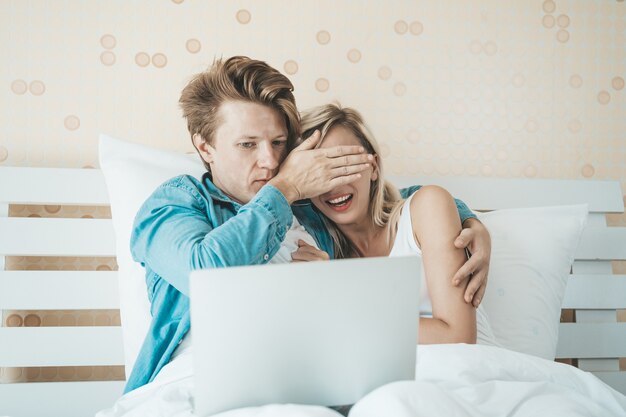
{"points": [[597, 339]]}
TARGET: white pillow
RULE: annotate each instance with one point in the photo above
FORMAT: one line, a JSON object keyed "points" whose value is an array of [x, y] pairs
{"points": [[532, 251], [132, 172]]}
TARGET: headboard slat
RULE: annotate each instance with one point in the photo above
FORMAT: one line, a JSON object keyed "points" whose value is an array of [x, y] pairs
{"points": [[48, 290], [67, 399], [22, 185], [61, 346], [591, 340], [602, 243], [87, 187], [595, 292], [500, 193], [56, 237]]}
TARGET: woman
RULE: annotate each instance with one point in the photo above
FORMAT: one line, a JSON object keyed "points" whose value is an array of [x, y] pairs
{"points": [[368, 217]]}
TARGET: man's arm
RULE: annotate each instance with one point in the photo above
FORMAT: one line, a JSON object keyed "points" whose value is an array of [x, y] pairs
{"points": [[177, 231]]}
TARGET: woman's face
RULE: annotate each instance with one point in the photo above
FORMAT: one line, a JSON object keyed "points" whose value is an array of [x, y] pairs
{"points": [[346, 204]]}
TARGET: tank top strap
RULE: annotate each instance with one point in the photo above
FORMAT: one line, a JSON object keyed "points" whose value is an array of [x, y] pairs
{"points": [[404, 243]]}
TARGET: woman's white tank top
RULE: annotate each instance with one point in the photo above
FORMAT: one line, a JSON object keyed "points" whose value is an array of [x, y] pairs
{"points": [[405, 244]]}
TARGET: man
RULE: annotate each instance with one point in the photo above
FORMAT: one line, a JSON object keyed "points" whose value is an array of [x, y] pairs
{"points": [[243, 121]]}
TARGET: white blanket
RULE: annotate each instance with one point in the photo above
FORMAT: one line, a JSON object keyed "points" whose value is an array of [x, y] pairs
{"points": [[452, 380], [485, 381]]}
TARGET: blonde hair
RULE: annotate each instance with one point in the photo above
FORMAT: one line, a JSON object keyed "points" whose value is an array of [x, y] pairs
{"points": [[385, 199], [238, 78]]}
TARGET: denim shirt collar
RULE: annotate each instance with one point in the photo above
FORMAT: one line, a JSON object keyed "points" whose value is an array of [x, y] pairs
{"points": [[216, 193]]}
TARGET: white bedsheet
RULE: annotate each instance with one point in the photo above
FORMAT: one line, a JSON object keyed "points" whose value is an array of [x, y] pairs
{"points": [[452, 380], [170, 395]]}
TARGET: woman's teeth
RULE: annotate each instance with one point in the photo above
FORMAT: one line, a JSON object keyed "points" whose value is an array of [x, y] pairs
{"points": [[339, 201]]}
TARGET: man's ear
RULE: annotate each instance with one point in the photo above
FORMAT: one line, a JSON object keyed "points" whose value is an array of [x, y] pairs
{"points": [[375, 168], [206, 151]]}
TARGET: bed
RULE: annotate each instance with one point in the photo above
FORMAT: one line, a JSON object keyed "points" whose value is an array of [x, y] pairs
{"points": [[594, 342]]}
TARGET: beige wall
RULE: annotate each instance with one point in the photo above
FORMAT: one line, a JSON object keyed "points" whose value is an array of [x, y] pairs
{"points": [[483, 88], [525, 88]]}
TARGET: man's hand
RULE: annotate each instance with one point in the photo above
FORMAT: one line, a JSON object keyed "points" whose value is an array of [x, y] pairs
{"points": [[307, 253], [308, 172], [475, 238]]}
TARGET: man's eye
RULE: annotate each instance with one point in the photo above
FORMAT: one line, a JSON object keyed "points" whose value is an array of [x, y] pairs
{"points": [[246, 145], [280, 142]]}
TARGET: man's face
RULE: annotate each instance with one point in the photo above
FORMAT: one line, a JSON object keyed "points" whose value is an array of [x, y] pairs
{"points": [[249, 146]]}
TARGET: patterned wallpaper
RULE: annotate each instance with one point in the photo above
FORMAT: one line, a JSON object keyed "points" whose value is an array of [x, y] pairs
{"points": [[526, 88]]}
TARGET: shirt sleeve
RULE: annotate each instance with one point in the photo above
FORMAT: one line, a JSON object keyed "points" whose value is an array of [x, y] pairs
{"points": [[464, 211], [178, 230]]}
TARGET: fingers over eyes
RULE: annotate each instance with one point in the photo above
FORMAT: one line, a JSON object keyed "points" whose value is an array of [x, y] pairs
{"points": [[349, 170], [347, 160], [339, 151], [347, 179]]}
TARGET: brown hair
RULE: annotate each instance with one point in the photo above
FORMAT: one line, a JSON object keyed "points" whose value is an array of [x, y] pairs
{"points": [[385, 199], [238, 78]]}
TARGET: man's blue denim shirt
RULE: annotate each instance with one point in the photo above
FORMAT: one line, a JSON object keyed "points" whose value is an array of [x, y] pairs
{"points": [[188, 224]]}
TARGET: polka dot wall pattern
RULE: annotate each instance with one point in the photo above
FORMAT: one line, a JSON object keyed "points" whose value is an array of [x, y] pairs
{"points": [[384, 73], [20, 87], [354, 55], [243, 16], [193, 46], [159, 60], [323, 37], [559, 23], [290, 67], [71, 122], [143, 59], [322, 85], [530, 90], [108, 42]]}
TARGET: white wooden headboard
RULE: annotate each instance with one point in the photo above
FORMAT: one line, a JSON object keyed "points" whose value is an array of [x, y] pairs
{"points": [[596, 339]]}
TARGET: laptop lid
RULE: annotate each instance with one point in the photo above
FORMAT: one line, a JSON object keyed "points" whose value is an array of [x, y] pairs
{"points": [[324, 333]]}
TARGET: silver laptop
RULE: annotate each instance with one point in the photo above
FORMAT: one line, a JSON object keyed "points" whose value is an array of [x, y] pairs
{"points": [[323, 333]]}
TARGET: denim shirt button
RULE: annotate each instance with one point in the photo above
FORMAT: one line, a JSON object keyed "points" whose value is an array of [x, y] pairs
{"points": [[266, 256]]}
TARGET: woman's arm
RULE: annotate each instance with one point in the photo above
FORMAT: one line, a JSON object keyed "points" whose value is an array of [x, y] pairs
{"points": [[475, 237], [436, 225]]}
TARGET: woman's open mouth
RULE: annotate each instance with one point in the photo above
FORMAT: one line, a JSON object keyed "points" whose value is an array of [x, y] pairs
{"points": [[341, 203]]}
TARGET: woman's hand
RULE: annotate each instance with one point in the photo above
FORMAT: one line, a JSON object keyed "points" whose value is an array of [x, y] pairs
{"points": [[307, 253], [475, 238], [309, 172]]}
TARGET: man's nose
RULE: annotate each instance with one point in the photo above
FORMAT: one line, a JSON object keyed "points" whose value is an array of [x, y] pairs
{"points": [[269, 157]]}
